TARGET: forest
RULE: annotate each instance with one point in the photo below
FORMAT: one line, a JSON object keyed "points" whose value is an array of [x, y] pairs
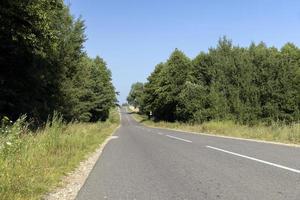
{"points": [[248, 85], [44, 67]]}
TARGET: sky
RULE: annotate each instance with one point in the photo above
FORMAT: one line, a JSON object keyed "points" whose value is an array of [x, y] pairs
{"points": [[133, 36]]}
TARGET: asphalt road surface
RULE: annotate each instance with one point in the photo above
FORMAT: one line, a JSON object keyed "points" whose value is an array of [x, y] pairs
{"points": [[147, 163]]}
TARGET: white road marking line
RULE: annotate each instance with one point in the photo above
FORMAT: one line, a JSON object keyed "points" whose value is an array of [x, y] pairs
{"points": [[170, 136], [228, 137], [159, 133], [257, 160]]}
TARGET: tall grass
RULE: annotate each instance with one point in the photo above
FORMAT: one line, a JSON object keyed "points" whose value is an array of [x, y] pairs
{"points": [[275, 132], [32, 163]]}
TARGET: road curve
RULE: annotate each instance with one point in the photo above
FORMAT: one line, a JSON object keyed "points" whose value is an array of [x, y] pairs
{"points": [[145, 163]]}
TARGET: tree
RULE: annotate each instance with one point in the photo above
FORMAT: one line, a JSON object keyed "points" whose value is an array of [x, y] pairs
{"points": [[135, 96], [103, 90], [28, 35], [171, 80], [151, 90], [44, 67], [248, 85]]}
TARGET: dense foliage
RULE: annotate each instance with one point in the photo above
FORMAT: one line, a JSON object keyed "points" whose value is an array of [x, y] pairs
{"points": [[247, 85], [136, 94], [44, 67]]}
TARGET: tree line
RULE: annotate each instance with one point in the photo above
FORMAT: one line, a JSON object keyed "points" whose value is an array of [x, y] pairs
{"points": [[246, 84], [44, 67]]}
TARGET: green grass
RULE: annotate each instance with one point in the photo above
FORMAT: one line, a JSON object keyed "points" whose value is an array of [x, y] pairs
{"points": [[276, 133], [33, 163]]}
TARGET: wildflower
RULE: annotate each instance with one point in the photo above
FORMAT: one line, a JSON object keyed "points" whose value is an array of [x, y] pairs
{"points": [[9, 143]]}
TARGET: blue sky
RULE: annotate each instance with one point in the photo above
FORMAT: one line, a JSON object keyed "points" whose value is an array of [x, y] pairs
{"points": [[132, 36]]}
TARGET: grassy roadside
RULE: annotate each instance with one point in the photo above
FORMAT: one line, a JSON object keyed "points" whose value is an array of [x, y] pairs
{"points": [[289, 134], [31, 164]]}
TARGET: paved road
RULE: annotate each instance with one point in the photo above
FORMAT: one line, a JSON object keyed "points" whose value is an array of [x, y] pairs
{"points": [[146, 163]]}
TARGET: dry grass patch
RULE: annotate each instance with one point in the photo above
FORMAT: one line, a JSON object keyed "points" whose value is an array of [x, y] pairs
{"points": [[33, 163]]}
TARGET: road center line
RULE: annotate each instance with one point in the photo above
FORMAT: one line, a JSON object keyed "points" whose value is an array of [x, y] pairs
{"points": [[170, 136], [257, 160], [159, 133]]}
